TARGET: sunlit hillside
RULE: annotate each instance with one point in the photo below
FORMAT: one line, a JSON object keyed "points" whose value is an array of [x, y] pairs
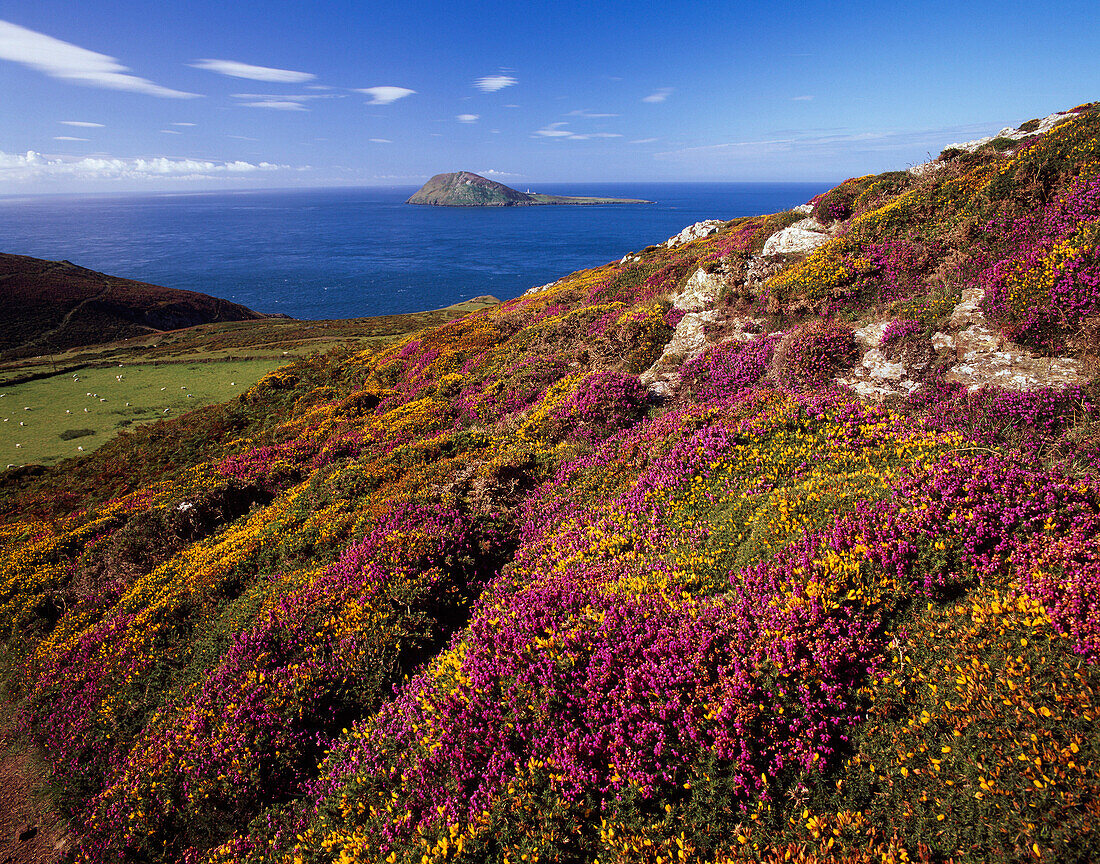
{"points": [[777, 541]]}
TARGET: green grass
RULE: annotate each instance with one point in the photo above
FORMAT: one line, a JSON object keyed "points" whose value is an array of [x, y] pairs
{"points": [[143, 395], [180, 370]]}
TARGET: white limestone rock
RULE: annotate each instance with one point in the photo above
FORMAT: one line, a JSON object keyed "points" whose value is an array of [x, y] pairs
{"points": [[700, 292], [690, 338], [1016, 134], [876, 376], [969, 308], [538, 289], [694, 232], [804, 236]]}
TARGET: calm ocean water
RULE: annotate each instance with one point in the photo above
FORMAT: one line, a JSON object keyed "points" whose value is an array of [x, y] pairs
{"points": [[342, 253]]}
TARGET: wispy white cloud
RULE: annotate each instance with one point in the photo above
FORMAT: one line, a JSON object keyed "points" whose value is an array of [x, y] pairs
{"points": [[170, 132], [242, 138], [254, 73], [181, 124], [276, 105], [281, 101], [288, 97], [32, 166], [467, 118], [557, 130], [802, 98], [68, 138], [553, 130], [83, 124], [643, 140], [838, 142], [492, 83], [658, 95], [583, 113], [490, 172], [76, 65], [385, 95], [380, 141]]}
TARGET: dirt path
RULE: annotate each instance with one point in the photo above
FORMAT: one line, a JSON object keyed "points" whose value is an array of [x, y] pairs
{"points": [[42, 337], [30, 832]]}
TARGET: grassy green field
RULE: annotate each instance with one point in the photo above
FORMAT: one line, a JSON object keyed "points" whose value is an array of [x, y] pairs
{"points": [[55, 407], [53, 418]]}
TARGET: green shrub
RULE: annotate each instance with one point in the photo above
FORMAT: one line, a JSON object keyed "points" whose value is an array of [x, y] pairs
{"points": [[70, 434]]}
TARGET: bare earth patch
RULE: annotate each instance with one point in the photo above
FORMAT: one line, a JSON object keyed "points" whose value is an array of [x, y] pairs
{"points": [[30, 831]]}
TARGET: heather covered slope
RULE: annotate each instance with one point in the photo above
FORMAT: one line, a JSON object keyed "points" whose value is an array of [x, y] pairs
{"points": [[62, 306], [481, 596]]}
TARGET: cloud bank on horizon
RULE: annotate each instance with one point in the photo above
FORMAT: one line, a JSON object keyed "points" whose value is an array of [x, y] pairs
{"points": [[590, 94]]}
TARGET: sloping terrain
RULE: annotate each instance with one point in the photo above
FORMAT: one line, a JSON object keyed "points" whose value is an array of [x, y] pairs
{"points": [[55, 305], [751, 546]]}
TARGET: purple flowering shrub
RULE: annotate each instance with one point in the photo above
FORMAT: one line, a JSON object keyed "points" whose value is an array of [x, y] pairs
{"points": [[812, 356], [600, 404], [899, 331], [728, 368], [1041, 420], [897, 267], [1045, 284], [272, 467], [325, 653]]}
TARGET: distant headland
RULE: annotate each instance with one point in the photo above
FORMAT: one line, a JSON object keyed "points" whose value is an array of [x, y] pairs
{"points": [[56, 305], [466, 189]]}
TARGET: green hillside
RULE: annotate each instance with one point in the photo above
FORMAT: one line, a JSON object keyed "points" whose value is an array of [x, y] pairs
{"points": [[774, 542]]}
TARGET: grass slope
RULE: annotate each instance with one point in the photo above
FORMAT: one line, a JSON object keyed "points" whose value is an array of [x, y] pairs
{"points": [[47, 411], [62, 306], [473, 596]]}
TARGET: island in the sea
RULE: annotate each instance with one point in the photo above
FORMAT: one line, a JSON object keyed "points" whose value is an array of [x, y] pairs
{"points": [[466, 189]]}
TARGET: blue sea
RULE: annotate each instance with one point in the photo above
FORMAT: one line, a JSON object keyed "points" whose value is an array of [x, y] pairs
{"points": [[344, 253]]}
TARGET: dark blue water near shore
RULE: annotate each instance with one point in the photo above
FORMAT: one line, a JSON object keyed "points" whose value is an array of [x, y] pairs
{"points": [[342, 253]]}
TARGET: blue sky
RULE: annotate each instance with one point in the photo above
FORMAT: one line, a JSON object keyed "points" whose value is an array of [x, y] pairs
{"points": [[120, 95]]}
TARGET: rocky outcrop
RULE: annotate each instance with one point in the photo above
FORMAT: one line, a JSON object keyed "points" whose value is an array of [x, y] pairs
{"points": [[694, 232], [1025, 130], [800, 238], [983, 356], [877, 376], [974, 352]]}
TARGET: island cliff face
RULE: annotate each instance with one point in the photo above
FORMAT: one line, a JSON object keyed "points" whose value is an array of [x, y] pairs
{"points": [[466, 189]]}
